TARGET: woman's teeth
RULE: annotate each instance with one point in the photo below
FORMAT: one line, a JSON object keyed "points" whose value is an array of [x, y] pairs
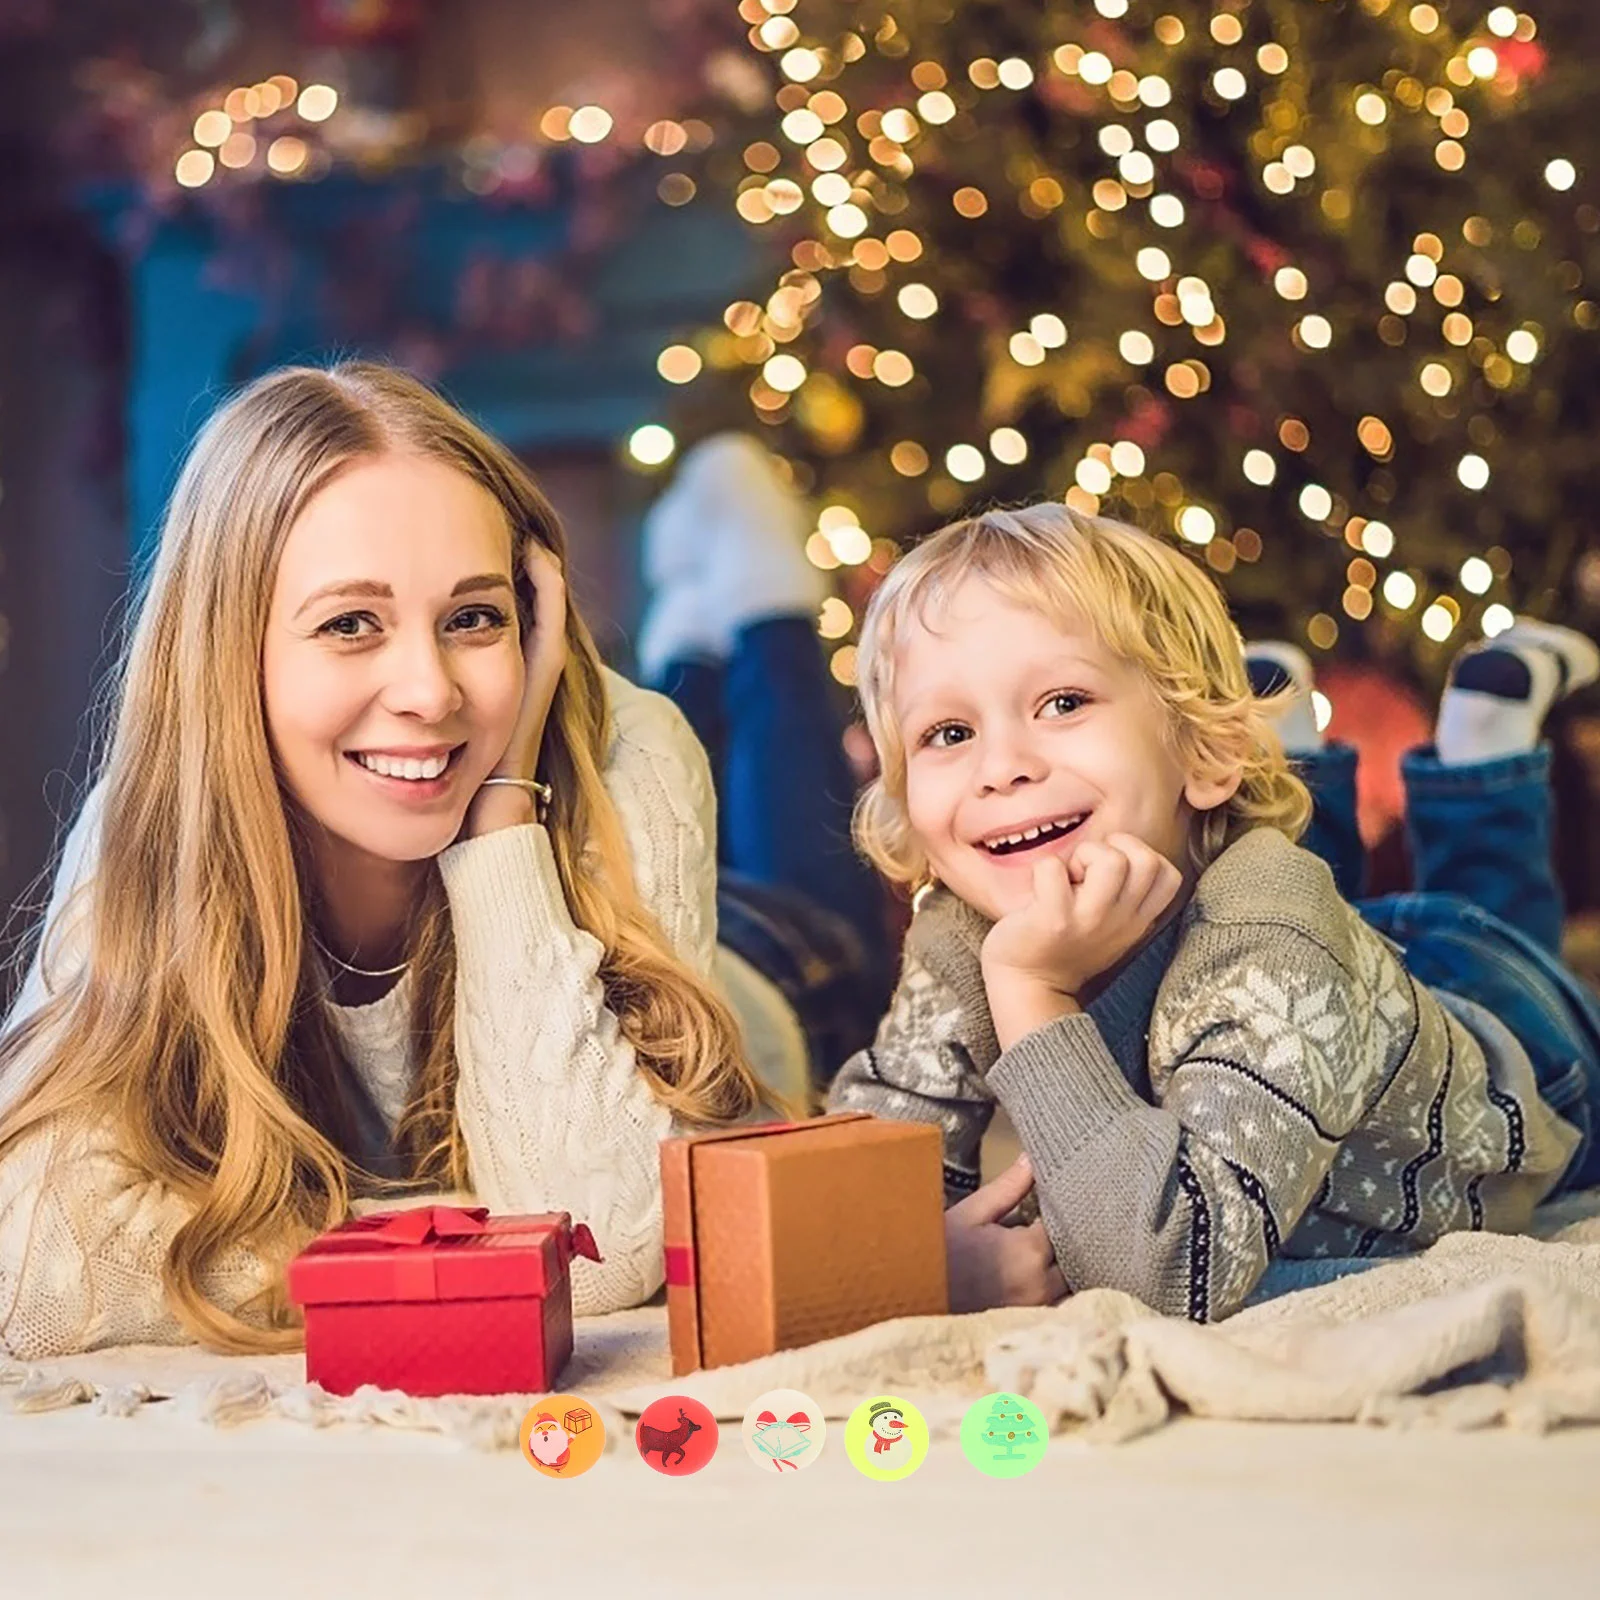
{"points": [[394, 767], [1029, 836]]}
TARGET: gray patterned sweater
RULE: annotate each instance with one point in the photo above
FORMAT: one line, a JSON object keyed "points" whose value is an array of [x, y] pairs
{"points": [[1298, 1092]]}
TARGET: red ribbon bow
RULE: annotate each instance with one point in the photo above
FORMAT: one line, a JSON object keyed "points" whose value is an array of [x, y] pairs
{"points": [[450, 1224], [424, 1224]]}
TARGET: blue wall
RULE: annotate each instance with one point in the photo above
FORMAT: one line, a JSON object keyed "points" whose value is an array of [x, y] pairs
{"points": [[209, 308]]}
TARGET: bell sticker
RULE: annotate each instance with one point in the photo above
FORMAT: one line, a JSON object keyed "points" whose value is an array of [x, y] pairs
{"points": [[784, 1431]]}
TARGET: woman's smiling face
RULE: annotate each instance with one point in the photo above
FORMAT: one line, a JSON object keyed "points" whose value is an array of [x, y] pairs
{"points": [[392, 643]]}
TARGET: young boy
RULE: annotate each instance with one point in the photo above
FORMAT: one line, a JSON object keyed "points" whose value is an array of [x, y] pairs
{"points": [[1211, 1057]]}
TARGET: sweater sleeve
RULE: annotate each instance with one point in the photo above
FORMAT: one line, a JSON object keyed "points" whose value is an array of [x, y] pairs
{"points": [[660, 781], [82, 1243], [1184, 1203], [555, 1110], [62, 944], [918, 1069], [82, 1236]]}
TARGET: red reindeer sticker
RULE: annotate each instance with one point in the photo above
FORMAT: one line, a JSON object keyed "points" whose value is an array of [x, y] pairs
{"points": [[676, 1435]]}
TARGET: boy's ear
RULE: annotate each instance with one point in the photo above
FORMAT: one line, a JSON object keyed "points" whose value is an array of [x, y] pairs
{"points": [[1212, 783]]}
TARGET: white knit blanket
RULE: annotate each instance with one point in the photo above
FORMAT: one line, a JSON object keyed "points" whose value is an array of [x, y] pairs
{"points": [[1479, 1330]]}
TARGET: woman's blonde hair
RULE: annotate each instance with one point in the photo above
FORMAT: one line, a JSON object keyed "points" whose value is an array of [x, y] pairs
{"points": [[1147, 604], [195, 1032]]}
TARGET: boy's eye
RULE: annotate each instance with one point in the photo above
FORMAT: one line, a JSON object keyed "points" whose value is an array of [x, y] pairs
{"points": [[944, 735], [1064, 703]]}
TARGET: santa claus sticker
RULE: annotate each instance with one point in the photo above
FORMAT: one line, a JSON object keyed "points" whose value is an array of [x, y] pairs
{"points": [[562, 1436], [784, 1431], [886, 1438]]}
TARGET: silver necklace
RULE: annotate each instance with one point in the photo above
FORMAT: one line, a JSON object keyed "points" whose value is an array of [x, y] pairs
{"points": [[360, 972]]}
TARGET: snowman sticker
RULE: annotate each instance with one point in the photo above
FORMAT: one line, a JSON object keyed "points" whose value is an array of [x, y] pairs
{"points": [[887, 1424], [886, 1438], [784, 1431]]}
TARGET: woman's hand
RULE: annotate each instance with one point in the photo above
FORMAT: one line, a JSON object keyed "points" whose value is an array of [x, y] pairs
{"points": [[544, 657], [992, 1265]]}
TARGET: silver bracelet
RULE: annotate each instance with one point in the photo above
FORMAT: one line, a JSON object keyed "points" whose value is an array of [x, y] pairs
{"points": [[542, 792]]}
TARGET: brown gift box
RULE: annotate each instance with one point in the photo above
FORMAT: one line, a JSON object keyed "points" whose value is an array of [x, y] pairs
{"points": [[783, 1234]]}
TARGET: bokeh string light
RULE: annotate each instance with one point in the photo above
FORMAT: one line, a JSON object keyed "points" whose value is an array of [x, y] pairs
{"points": [[281, 129], [1240, 347]]}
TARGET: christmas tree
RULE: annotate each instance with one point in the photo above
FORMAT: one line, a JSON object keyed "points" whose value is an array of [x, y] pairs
{"points": [[1006, 1425], [1308, 285]]}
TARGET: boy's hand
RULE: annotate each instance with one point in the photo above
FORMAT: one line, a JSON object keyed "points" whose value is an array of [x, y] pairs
{"points": [[1080, 922], [991, 1265]]}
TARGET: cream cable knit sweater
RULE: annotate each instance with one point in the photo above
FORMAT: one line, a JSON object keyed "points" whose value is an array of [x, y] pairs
{"points": [[554, 1110]]}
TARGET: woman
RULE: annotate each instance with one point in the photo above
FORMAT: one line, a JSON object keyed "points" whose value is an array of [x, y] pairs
{"points": [[385, 881]]}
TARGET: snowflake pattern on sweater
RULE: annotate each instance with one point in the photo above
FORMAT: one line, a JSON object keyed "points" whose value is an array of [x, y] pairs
{"points": [[1307, 1096], [919, 1069]]}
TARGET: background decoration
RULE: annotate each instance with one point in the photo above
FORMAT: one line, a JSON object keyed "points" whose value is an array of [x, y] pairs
{"points": [[197, 189], [378, 84], [202, 112], [1305, 284], [1309, 285]]}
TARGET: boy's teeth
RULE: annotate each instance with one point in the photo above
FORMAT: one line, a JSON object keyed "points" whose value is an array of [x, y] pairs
{"points": [[412, 768], [1028, 835]]}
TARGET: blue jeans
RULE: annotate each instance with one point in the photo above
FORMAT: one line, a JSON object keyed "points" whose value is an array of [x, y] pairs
{"points": [[794, 898], [1483, 922]]}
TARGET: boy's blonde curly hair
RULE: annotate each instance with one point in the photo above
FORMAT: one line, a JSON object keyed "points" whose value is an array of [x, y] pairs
{"points": [[1148, 605]]}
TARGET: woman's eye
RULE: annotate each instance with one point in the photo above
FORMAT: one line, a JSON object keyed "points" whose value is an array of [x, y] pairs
{"points": [[491, 619], [472, 619], [345, 627], [1068, 701], [945, 736]]}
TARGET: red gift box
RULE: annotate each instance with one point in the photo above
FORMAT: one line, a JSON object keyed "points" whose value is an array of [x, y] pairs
{"points": [[440, 1300]]}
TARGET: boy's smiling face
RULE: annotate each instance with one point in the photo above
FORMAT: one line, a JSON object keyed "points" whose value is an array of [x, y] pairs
{"points": [[1015, 726]]}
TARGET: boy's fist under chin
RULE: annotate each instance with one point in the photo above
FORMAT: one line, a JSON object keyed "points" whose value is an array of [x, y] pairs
{"points": [[1083, 918]]}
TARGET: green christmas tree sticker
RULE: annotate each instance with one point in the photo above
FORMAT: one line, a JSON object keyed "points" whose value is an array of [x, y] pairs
{"points": [[1004, 1435]]}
